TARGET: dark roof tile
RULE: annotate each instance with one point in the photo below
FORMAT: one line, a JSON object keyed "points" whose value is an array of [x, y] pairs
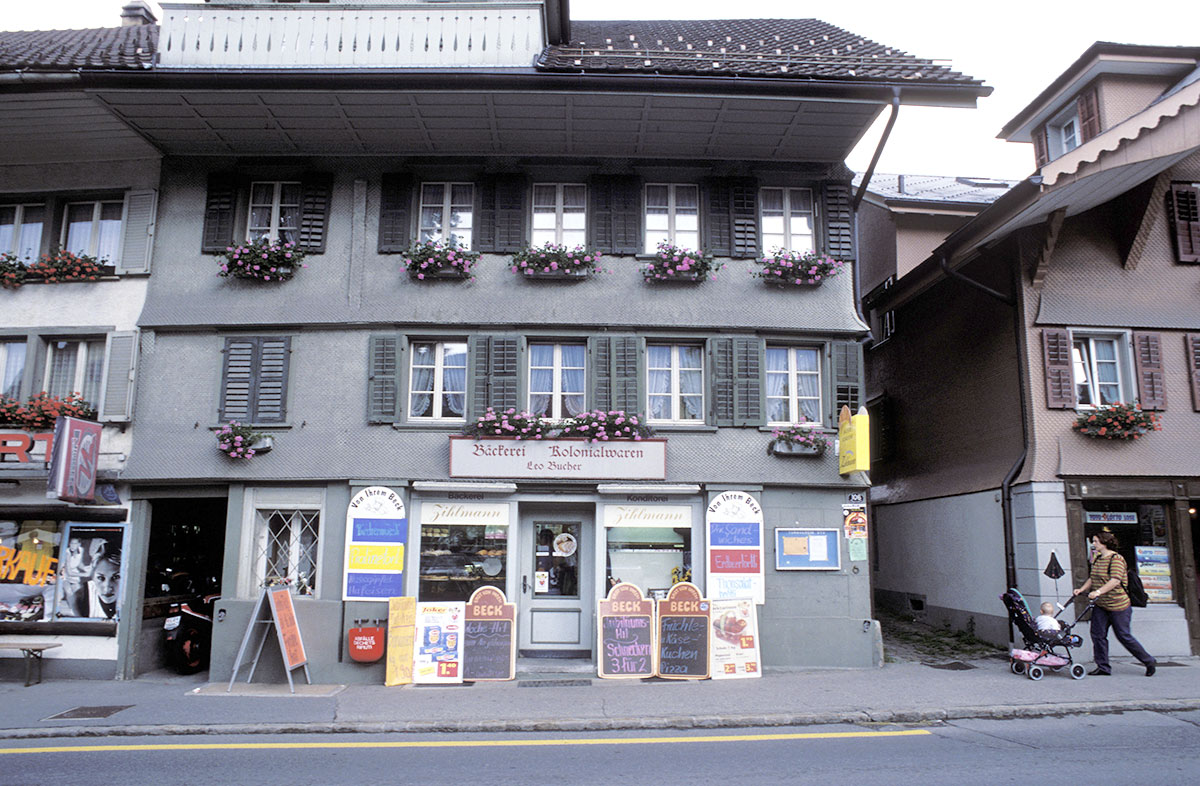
{"points": [[64, 50]]}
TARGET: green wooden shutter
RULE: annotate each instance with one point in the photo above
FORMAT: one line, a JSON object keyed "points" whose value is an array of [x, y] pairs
{"points": [[314, 212], [718, 217], [121, 359], [614, 214], [219, 213], [839, 221], [721, 406], [137, 231], [613, 366], [1147, 357], [846, 357], [744, 218], [271, 388], [395, 213], [254, 381], [1060, 378], [600, 371], [736, 388], [495, 382], [238, 379], [383, 379], [501, 214]]}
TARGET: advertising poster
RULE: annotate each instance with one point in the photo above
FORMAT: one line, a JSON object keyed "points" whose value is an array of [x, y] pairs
{"points": [[402, 618], [735, 648], [376, 534], [734, 541], [1154, 566], [437, 643], [854, 516], [91, 560]]}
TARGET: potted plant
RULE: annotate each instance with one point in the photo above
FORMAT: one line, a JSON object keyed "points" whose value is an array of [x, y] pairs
{"points": [[40, 412], [434, 259], [263, 259], [509, 423], [555, 261], [1117, 421], [65, 266], [672, 263], [242, 442], [601, 426], [797, 439], [12, 271], [788, 268]]}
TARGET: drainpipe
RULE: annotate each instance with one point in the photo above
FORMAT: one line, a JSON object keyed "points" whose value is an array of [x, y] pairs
{"points": [[1010, 561], [887, 131]]}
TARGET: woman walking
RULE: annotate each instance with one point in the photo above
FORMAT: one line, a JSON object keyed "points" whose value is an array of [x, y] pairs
{"points": [[1113, 608]]}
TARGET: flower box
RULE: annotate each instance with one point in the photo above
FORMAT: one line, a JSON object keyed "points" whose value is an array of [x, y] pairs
{"points": [[61, 267], [451, 273], [431, 260], [790, 269], [797, 439], [1117, 421], [783, 447], [782, 283], [263, 444], [671, 263], [556, 275], [262, 260], [555, 262]]}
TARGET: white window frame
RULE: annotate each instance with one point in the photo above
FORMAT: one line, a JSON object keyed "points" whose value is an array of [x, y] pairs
{"points": [[794, 374], [558, 210], [787, 198], [84, 353], [258, 500], [672, 216], [18, 372], [14, 247], [439, 367], [430, 232], [676, 392], [276, 206], [557, 410], [97, 206], [1123, 363], [1061, 128]]}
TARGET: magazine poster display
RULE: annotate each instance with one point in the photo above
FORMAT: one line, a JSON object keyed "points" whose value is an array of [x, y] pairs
{"points": [[437, 643]]}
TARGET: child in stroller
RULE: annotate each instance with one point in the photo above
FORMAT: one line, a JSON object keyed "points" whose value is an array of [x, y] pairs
{"points": [[1042, 647]]}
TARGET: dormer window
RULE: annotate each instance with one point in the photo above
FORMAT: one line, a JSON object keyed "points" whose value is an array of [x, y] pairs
{"points": [[1063, 133], [1070, 135]]}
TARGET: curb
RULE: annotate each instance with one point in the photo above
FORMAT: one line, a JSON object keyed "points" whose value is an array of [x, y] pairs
{"points": [[682, 722]]}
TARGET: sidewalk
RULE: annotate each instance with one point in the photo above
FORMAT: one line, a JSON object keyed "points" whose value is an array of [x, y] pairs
{"points": [[906, 692]]}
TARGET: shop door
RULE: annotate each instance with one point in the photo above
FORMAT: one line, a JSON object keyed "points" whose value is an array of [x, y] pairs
{"points": [[556, 583]]}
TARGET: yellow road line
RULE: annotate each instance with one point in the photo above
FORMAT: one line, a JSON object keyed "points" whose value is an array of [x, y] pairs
{"points": [[231, 746]]}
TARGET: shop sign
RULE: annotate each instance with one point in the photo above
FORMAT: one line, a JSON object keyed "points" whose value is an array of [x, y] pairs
{"points": [[625, 622], [74, 460], [735, 652], [683, 634], [558, 459], [437, 643], [854, 442], [489, 644], [376, 535], [446, 514], [1091, 517], [22, 445], [734, 542], [663, 516]]}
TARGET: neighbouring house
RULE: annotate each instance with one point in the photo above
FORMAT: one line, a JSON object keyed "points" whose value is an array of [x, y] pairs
{"points": [[415, 159], [1012, 343]]}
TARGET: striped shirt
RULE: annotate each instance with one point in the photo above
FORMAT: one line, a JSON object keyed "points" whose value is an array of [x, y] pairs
{"points": [[1105, 568]]}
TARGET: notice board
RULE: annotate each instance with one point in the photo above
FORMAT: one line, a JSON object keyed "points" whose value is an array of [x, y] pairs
{"points": [[626, 629], [801, 548], [489, 637], [683, 634]]}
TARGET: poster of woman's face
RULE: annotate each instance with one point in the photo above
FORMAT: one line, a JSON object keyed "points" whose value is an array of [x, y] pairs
{"points": [[89, 577]]}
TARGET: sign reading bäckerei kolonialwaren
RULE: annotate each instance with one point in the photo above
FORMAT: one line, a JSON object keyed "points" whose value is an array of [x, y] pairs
{"points": [[560, 459]]}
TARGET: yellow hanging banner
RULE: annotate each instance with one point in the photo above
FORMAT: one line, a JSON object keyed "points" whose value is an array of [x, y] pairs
{"points": [[854, 442]]}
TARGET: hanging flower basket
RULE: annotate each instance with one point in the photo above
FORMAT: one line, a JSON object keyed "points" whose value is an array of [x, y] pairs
{"points": [[433, 260], [1117, 421], [797, 440], [671, 263], [555, 262], [262, 260], [40, 412], [242, 442], [789, 269]]}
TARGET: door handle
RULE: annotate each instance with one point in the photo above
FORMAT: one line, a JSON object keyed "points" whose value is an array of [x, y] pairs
{"points": [[524, 584]]}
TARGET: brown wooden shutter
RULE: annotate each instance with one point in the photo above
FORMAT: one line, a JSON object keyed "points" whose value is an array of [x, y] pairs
{"points": [[1183, 209], [501, 214], [1147, 359], [219, 212], [1088, 106], [1041, 148], [615, 214], [1191, 344], [1060, 379], [395, 213], [314, 212], [839, 221]]}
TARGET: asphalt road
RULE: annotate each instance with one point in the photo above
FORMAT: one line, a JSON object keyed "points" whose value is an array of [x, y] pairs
{"points": [[1142, 747]]}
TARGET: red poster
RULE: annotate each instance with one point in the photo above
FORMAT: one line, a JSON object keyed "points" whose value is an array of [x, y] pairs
{"points": [[287, 627], [734, 560]]}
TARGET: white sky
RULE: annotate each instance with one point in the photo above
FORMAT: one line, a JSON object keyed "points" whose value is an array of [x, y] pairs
{"points": [[1017, 47]]}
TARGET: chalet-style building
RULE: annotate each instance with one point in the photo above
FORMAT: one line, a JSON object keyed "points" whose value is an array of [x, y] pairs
{"points": [[357, 130], [1073, 292]]}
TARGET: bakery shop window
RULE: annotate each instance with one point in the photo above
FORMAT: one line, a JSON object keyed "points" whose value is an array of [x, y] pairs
{"points": [[653, 558], [1143, 535], [459, 558]]}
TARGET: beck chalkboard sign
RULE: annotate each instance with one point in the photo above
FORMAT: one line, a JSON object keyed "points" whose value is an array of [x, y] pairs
{"points": [[683, 634], [489, 637], [626, 622]]}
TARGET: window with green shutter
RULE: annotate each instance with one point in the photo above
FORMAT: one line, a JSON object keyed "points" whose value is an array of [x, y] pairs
{"points": [[255, 379], [736, 388], [495, 373], [614, 371]]}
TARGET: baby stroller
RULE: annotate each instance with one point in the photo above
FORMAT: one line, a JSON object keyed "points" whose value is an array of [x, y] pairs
{"points": [[1042, 648]]}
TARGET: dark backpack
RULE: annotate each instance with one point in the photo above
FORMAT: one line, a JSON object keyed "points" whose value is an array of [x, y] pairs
{"points": [[1132, 585]]}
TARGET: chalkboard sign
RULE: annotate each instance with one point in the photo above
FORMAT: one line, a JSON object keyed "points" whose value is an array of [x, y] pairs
{"points": [[683, 634], [489, 643], [626, 622]]}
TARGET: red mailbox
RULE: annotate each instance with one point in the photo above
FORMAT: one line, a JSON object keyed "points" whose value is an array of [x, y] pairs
{"points": [[367, 643]]}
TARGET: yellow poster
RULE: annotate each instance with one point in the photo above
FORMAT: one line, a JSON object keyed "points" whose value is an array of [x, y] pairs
{"points": [[402, 618]]}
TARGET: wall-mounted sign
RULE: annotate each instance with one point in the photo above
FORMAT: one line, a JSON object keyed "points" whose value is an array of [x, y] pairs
{"points": [[683, 633], [735, 647], [734, 541], [558, 459], [800, 548], [626, 628], [854, 443], [489, 637], [665, 516], [1093, 517], [437, 643], [23, 446], [376, 534], [75, 460]]}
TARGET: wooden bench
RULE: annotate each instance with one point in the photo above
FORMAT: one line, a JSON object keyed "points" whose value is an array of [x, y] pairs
{"points": [[33, 653]]}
